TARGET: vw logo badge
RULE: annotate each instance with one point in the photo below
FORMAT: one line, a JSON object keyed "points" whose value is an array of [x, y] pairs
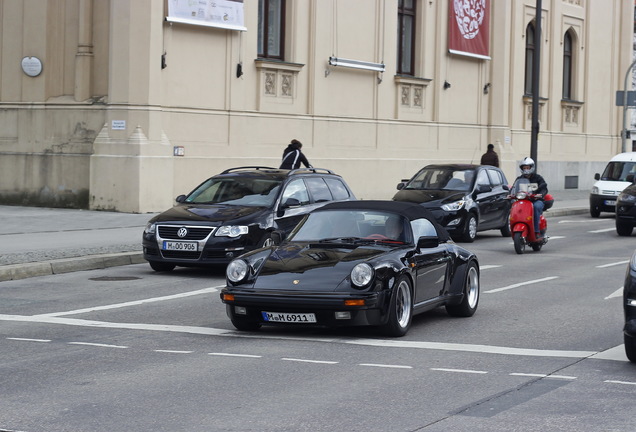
{"points": [[183, 231]]}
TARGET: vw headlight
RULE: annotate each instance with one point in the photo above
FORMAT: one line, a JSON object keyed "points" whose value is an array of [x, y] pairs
{"points": [[231, 231], [361, 275], [454, 206], [237, 270], [151, 228], [627, 198]]}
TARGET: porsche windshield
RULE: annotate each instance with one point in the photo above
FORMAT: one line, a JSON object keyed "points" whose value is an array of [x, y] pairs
{"points": [[352, 225], [236, 191], [442, 179]]}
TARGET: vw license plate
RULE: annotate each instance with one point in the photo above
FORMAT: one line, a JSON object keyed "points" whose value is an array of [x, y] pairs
{"points": [[610, 202], [180, 246], [284, 317]]}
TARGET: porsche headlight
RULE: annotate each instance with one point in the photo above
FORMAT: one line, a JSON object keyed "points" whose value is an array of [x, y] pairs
{"points": [[151, 228], [454, 206], [231, 231], [237, 270], [361, 275]]}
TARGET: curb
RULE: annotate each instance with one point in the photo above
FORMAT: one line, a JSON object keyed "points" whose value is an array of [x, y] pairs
{"points": [[566, 211], [68, 265]]}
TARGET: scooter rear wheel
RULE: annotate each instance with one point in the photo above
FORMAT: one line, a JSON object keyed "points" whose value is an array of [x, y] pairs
{"points": [[520, 244], [536, 246]]}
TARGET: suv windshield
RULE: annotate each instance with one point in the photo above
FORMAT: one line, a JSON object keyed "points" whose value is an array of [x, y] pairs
{"points": [[236, 191], [618, 171], [443, 179]]}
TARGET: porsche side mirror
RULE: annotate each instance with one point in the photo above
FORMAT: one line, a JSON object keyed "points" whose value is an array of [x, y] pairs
{"points": [[401, 185], [427, 242], [180, 198], [278, 236]]}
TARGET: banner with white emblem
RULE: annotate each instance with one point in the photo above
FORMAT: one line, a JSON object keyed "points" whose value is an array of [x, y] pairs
{"points": [[469, 28]]}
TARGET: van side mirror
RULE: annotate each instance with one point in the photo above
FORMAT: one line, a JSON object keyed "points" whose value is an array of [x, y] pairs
{"points": [[427, 242], [630, 178], [597, 176]]}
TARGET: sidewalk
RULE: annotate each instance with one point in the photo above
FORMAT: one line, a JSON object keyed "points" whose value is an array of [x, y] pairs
{"points": [[37, 241]]}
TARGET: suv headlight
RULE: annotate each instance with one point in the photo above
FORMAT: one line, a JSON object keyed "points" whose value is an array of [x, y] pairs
{"points": [[627, 198], [151, 228], [231, 231], [454, 206], [361, 275]]}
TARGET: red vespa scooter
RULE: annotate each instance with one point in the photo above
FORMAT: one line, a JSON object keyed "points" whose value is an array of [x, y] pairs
{"points": [[522, 217]]}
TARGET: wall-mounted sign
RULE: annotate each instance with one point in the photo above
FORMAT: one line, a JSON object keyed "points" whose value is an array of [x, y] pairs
{"points": [[227, 14], [32, 66], [178, 151], [469, 28], [118, 125]]}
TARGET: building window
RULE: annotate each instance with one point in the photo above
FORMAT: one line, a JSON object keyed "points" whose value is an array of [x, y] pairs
{"points": [[406, 37], [271, 29], [567, 66], [529, 58]]}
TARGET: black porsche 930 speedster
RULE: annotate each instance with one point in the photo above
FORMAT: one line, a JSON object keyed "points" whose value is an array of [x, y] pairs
{"points": [[354, 263]]}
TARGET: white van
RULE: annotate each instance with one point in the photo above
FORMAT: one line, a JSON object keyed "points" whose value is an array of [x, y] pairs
{"points": [[618, 174]]}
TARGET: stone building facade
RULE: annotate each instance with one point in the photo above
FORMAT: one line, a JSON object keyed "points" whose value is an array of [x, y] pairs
{"points": [[122, 105]]}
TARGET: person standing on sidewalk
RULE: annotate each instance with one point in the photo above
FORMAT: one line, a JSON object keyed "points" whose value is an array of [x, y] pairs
{"points": [[293, 156], [490, 157]]}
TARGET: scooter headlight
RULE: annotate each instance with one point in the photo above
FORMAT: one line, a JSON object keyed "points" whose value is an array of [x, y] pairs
{"points": [[521, 195]]}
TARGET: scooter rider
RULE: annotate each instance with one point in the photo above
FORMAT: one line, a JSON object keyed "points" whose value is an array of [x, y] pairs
{"points": [[527, 167]]}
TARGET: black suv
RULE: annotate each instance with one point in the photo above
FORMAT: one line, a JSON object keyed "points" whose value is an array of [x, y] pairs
{"points": [[235, 212], [464, 199], [626, 210]]}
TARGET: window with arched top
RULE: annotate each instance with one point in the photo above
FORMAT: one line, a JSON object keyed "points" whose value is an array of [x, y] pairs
{"points": [[529, 59], [406, 37], [567, 65]]}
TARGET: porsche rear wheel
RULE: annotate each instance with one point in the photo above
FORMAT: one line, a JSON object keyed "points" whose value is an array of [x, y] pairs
{"points": [[470, 300], [400, 308]]}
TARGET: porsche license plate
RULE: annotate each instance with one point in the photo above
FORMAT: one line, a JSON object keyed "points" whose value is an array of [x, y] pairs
{"points": [[293, 318], [180, 246]]}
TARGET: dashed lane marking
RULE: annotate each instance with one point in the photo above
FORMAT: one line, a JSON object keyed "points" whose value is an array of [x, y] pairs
{"points": [[612, 264], [520, 284], [617, 293], [98, 345], [309, 361], [467, 371], [386, 366]]}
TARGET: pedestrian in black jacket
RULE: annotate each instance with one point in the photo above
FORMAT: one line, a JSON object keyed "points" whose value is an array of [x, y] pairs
{"points": [[293, 156], [490, 157]]}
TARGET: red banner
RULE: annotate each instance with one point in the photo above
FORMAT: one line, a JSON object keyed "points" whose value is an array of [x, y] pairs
{"points": [[469, 28]]}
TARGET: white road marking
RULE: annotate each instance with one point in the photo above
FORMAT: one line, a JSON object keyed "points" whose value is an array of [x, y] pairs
{"points": [[29, 340], [520, 284], [468, 371], [617, 293], [585, 221], [134, 303], [386, 366], [389, 343], [309, 361], [98, 345], [565, 377], [617, 353], [620, 382], [602, 230], [173, 351], [234, 355], [486, 267], [612, 264]]}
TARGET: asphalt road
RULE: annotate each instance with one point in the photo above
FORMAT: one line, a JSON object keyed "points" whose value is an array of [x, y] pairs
{"points": [[125, 348]]}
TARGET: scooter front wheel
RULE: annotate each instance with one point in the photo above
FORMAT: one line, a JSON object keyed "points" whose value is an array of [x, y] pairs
{"points": [[518, 240]]}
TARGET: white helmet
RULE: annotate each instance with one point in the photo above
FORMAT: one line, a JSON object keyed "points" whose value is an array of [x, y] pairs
{"points": [[527, 162]]}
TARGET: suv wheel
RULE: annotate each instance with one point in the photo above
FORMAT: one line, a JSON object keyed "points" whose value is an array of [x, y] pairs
{"points": [[161, 267], [623, 228]]}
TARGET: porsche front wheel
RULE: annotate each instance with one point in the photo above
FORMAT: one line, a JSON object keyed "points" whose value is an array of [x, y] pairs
{"points": [[400, 308]]}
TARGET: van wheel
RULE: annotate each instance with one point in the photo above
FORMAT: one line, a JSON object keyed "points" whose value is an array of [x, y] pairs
{"points": [[595, 212]]}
